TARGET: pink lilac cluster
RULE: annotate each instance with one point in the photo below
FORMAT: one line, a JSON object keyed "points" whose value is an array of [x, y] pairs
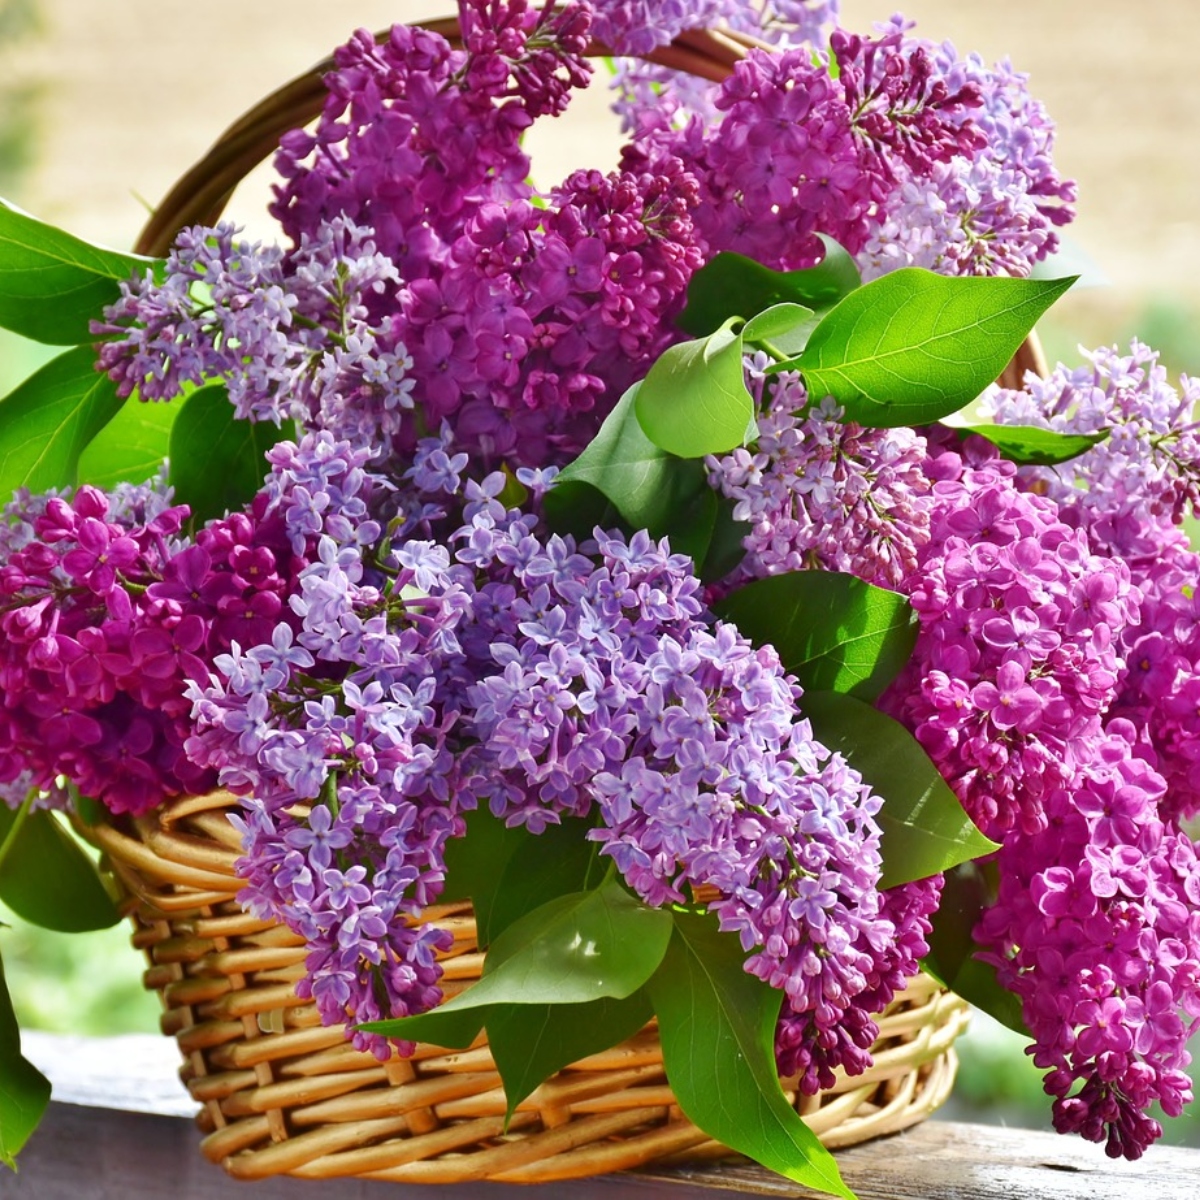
{"points": [[109, 614], [817, 492], [1130, 493], [801, 150], [1018, 657], [982, 214], [1097, 929], [291, 337], [90, 663]]}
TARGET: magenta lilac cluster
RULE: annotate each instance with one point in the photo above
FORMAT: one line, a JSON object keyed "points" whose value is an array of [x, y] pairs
{"points": [[1096, 930], [1129, 493]]}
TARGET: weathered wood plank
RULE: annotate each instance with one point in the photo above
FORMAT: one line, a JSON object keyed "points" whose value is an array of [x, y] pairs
{"points": [[120, 1129]]}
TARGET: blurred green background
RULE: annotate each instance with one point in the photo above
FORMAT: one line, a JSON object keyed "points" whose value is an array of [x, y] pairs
{"points": [[70, 152]]}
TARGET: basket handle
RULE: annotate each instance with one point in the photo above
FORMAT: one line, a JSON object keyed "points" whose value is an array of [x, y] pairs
{"points": [[201, 194]]}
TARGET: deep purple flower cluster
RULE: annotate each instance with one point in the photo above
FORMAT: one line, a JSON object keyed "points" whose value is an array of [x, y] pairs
{"points": [[1097, 930], [818, 492], [797, 151]]}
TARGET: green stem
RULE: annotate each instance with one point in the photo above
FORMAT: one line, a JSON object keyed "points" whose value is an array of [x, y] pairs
{"points": [[10, 838]]}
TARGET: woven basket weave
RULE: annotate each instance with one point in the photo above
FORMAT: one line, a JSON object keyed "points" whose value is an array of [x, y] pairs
{"points": [[282, 1094]]}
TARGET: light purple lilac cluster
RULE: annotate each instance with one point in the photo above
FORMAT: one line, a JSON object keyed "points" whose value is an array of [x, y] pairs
{"points": [[291, 338], [821, 493], [501, 666]]}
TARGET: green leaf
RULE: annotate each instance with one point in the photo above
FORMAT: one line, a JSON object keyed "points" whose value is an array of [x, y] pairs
{"points": [[694, 400], [1034, 447], [530, 1042], [642, 482], [966, 892], [46, 423], [726, 547], [52, 285], [775, 322], [47, 878], [24, 1090], [574, 950], [217, 461], [833, 631], [132, 446], [475, 863], [912, 347], [732, 285], [925, 829], [557, 862], [717, 1025]]}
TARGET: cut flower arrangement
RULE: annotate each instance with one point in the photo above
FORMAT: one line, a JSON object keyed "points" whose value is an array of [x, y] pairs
{"points": [[617, 557]]}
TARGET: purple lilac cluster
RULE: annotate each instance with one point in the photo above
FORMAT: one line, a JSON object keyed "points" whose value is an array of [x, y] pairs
{"points": [[797, 149], [1096, 930], [334, 727], [1017, 657], [1130, 493], [291, 338], [981, 214], [542, 679], [818, 492], [614, 693]]}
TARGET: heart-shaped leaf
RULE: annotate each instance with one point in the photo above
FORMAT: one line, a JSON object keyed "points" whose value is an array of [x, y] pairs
{"points": [[46, 423], [832, 631], [912, 346], [925, 829], [717, 1025], [217, 461], [732, 285], [52, 285], [47, 878], [24, 1090], [775, 322], [694, 400], [573, 950], [530, 1042], [642, 482]]}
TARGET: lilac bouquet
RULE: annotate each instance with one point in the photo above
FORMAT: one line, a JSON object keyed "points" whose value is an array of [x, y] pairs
{"points": [[612, 556]]}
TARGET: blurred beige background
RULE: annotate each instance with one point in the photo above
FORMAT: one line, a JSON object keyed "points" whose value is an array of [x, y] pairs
{"points": [[128, 93]]}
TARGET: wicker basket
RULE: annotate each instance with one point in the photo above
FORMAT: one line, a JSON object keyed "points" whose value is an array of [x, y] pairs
{"points": [[282, 1094]]}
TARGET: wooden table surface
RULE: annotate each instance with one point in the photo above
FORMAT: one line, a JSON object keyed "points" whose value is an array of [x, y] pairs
{"points": [[120, 1128]]}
